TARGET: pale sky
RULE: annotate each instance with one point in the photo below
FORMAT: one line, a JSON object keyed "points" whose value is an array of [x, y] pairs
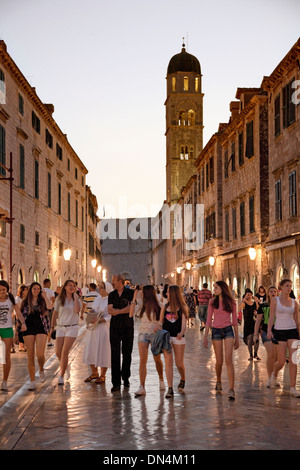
{"points": [[103, 65]]}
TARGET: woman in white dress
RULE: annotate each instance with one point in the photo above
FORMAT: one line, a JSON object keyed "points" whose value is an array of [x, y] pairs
{"points": [[97, 346]]}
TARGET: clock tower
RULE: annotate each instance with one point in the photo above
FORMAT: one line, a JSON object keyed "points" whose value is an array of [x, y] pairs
{"points": [[184, 121]]}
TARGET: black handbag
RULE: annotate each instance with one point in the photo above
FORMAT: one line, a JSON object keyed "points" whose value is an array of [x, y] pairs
{"points": [[53, 334]]}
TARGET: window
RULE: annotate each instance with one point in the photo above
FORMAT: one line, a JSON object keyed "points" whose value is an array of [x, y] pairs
{"points": [[197, 84], [191, 117], [210, 226], [181, 118], [173, 84], [232, 156], [22, 166], [227, 226], [249, 140], [49, 139], [185, 83], [21, 104], [69, 164], [233, 213], [226, 164], [2, 87], [49, 189], [2, 228], [22, 233], [36, 179], [76, 174], [202, 179], [59, 152], [76, 213], [49, 243], [59, 199], [241, 148], [36, 124], [277, 115], [288, 106], [60, 248], [185, 152], [82, 218], [211, 169], [2, 150], [242, 219], [82, 181], [37, 239], [69, 207], [207, 175], [91, 245], [292, 194], [251, 214], [278, 204]]}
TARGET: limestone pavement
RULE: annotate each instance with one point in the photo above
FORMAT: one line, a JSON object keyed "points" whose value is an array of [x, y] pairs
{"points": [[86, 416]]}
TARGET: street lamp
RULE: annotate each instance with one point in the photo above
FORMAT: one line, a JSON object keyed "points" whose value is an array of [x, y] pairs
{"points": [[211, 260], [94, 262], [99, 269], [252, 253], [188, 266], [67, 254], [104, 275]]}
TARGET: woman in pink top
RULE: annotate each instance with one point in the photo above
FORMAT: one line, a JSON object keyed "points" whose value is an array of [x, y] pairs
{"points": [[222, 318]]}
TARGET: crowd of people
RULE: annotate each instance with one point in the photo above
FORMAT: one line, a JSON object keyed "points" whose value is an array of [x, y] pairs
{"points": [[37, 317]]}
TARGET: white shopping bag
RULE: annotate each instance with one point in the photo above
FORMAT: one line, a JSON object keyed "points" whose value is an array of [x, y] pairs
{"points": [[2, 352]]}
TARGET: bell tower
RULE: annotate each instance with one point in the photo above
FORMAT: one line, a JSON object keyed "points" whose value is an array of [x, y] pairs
{"points": [[184, 121]]}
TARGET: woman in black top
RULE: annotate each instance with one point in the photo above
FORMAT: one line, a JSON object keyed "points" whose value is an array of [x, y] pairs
{"points": [[250, 307], [173, 317]]}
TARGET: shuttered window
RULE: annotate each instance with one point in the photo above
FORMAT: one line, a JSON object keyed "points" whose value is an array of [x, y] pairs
{"points": [[22, 166], [2, 150], [249, 140], [242, 219], [292, 194], [277, 115], [278, 204]]}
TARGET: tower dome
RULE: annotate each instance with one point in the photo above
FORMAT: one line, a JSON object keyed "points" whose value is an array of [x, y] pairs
{"points": [[184, 62]]}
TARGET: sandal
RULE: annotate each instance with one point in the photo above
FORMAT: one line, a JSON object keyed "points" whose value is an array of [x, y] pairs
{"points": [[91, 377], [100, 380]]}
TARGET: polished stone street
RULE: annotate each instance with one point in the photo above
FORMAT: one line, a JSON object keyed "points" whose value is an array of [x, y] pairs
{"points": [[87, 416]]}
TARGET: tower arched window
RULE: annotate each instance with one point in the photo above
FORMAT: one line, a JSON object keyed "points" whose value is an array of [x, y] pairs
{"points": [[197, 84], [185, 83], [186, 152], [173, 84], [181, 118], [191, 117]]}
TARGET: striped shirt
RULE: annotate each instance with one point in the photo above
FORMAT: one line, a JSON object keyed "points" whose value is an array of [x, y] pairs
{"points": [[89, 298], [204, 296]]}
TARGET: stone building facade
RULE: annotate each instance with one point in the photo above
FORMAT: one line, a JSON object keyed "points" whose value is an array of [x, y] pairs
{"points": [[247, 179], [49, 190]]}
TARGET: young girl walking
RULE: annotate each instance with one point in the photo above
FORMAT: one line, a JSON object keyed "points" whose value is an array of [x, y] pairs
{"points": [[222, 317]]}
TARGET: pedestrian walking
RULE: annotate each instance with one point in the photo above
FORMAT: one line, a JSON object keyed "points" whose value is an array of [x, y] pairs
{"points": [[284, 316], [204, 296], [191, 304], [121, 332], [66, 319], [88, 299], [7, 307], [35, 308], [22, 292], [261, 327], [97, 351], [261, 295], [222, 317], [51, 297], [149, 324], [174, 316], [249, 308]]}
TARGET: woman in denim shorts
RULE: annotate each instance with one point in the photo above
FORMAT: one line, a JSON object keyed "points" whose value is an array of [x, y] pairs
{"points": [[149, 324], [222, 318]]}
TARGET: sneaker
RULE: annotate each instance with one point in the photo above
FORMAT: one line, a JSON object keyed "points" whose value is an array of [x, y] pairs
{"points": [[231, 394], [162, 385], [170, 393], [60, 380], [294, 392], [50, 345], [141, 391], [68, 372], [42, 376], [32, 385], [218, 386], [257, 358], [4, 385]]}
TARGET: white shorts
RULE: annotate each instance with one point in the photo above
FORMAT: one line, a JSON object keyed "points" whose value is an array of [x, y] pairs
{"points": [[175, 340], [67, 331]]}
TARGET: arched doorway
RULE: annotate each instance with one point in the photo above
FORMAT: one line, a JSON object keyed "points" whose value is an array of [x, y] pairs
{"points": [[295, 280]]}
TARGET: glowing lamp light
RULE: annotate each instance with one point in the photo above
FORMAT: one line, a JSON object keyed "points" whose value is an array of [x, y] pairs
{"points": [[178, 270], [211, 260], [252, 253], [188, 266], [104, 275], [94, 262], [67, 254], [99, 269]]}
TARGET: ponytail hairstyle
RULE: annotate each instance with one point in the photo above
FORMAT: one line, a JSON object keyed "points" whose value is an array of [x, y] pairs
{"points": [[150, 303], [10, 296], [227, 298]]}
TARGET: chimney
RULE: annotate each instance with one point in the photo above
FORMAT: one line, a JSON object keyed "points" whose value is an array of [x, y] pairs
{"points": [[49, 107], [234, 109]]}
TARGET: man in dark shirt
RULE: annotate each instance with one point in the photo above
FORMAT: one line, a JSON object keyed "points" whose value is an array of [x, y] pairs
{"points": [[121, 331]]}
